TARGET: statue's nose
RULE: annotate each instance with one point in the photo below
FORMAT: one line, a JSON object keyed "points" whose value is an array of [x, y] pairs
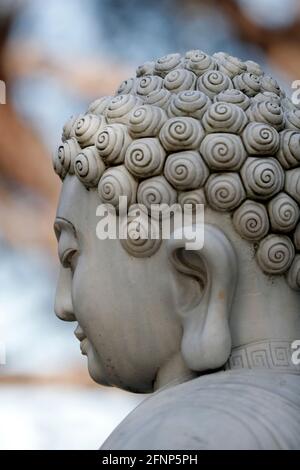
{"points": [[63, 313], [63, 301]]}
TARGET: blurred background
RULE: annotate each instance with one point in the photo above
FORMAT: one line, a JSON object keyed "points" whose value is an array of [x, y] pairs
{"points": [[56, 56]]}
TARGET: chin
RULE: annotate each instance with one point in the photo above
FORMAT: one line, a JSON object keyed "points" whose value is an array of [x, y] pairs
{"points": [[101, 376], [96, 370]]}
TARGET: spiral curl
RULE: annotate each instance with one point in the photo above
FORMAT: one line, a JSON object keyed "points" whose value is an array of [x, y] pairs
{"points": [[267, 96], [251, 220], [148, 84], [292, 120], [267, 111], [179, 80], [287, 104], [262, 177], [165, 64], [69, 128], [115, 182], [213, 82], [223, 151], [156, 190], [275, 254], [119, 108], [224, 191], [289, 151], [224, 117], [234, 96], [194, 197], [99, 106], [138, 242], [231, 66], [189, 103], [253, 67], [145, 69], [64, 159], [268, 83], [248, 83], [87, 127], [181, 133], [127, 86], [186, 170], [146, 121], [145, 157], [159, 98], [292, 183], [89, 167], [260, 139], [284, 213], [220, 55], [198, 62], [112, 143]]}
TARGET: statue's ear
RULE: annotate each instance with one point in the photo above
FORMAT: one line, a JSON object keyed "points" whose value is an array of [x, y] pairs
{"points": [[206, 341]]}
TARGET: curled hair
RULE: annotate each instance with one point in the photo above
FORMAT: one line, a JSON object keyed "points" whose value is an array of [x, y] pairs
{"points": [[196, 128]]}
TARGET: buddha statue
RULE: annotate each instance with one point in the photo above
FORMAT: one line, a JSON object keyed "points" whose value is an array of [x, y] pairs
{"points": [[211, 330]]}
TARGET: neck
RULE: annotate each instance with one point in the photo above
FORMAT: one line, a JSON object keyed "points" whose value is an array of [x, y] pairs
{"points": [[173, 372], [264, 308]]}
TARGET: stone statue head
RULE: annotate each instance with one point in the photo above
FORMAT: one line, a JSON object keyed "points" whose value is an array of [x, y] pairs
{"points": [[195, 129]]}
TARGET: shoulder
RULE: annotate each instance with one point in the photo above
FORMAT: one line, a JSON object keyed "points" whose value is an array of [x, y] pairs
{"points": [[225, 410]]}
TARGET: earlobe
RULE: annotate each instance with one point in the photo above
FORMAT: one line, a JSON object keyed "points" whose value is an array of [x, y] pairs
{"points": [[206, 341]]}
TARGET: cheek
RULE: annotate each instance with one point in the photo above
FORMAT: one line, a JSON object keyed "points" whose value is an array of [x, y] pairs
{"points": [[128, 317], [90, 304], [89, 297], [101, 309]]}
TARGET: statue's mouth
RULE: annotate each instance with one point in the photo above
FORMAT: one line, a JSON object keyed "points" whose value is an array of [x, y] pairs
{"points": [[80, 335], [83, 346]]}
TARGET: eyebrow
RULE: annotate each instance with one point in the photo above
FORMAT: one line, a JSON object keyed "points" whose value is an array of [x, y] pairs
{"points": [[62, 223]]}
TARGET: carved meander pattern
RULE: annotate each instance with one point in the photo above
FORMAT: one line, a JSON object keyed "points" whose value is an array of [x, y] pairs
{"points": [[268, 354], [198, 129]]}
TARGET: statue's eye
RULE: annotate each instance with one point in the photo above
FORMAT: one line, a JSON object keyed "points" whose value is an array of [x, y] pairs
{"points": [[68, 257]]}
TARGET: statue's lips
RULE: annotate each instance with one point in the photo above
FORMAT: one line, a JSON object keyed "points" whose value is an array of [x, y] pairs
{"points": [[80, 335], [83, 346]]}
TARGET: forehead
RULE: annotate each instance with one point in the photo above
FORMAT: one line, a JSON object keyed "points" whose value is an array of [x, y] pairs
{"points": [[78, 206], [76, 203]]}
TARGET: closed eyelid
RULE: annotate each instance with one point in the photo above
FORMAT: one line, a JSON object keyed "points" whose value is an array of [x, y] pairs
{"points": [[67, 242], [67, 246], [61, 224], [66, 257]]}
